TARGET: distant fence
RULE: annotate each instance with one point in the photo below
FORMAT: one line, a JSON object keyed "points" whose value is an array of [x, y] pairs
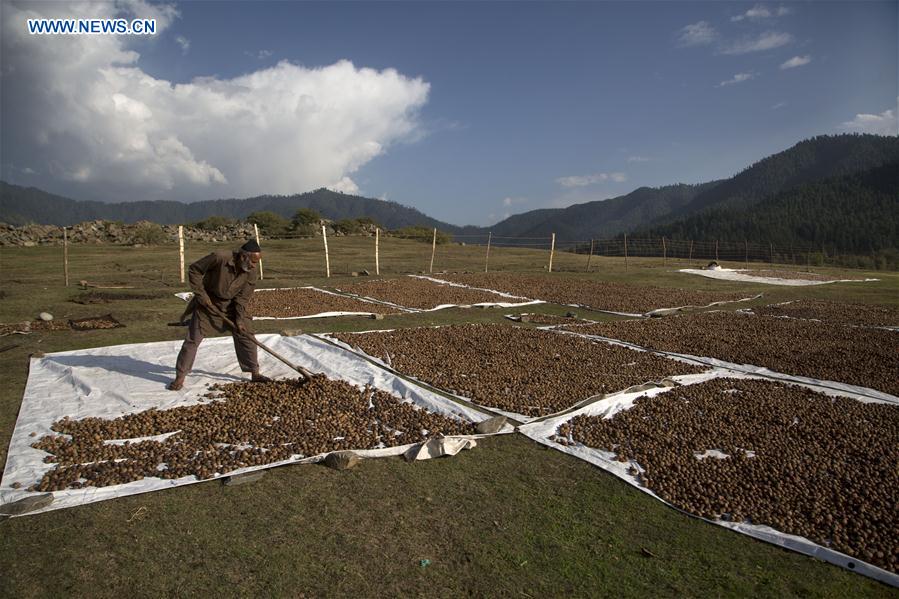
{"points": [[327, 253]]}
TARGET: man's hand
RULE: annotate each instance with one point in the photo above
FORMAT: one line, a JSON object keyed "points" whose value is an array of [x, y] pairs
{"points": [[203, 300]]}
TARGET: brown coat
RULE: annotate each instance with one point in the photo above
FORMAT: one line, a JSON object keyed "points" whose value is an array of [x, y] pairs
{"points": [[217, 277]]}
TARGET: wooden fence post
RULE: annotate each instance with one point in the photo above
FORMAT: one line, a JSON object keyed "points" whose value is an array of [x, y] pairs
{"points": [[181, 251], [590, 257], [716, 250], [664, 252], [771, 248], [691, 249], [377, 260], [256, 231], [625, 253], [327, 258], [65, 255], [746, 252], [433, 250], [552, 250], [487, 259]]}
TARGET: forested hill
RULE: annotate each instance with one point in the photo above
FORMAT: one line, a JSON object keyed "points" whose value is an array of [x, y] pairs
{"points": [[806, 162], [853, 214], [21, 205]]}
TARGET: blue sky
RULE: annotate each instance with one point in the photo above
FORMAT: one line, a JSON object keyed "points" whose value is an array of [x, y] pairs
{"points": [[467, 111]]}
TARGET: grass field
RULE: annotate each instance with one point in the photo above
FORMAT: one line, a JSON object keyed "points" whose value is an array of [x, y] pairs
{"points": [[509, 518]]}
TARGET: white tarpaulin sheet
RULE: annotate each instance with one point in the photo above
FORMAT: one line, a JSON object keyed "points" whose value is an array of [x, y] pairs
{"points": [[109, 382], [731, 274], [526, 302], [575, 402], [187, 295], [657, 311], [544, 431], [863, 394]]}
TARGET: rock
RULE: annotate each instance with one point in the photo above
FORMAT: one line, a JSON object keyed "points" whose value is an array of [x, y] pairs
{"points": [[342, 460], [29, 244], [364, 273], [491, 425], [28, 504], [377, 317], [570, 315], [291, 333], [242, 479], [45, 316]]}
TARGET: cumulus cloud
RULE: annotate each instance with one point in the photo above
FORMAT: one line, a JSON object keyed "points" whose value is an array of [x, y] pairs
{"points": [[796, 61], [585, 180], [766, 41], [738, 78], [698, 34], [183, 42], [85, 113], [637, 159], [760, 11], [884, 123]]}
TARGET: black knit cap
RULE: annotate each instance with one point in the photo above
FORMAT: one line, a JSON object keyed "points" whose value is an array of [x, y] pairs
{"points": [[251, 247]]}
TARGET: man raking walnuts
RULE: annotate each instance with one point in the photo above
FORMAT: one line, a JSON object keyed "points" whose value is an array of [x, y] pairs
{"points": [[223, 284]]}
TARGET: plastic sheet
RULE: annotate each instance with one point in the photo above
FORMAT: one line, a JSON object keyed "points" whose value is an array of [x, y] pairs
{"points": [[109, 382], [731, 274], [544, 430]]}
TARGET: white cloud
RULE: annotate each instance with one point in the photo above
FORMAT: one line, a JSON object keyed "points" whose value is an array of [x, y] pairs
{"points": [[884, 123], [259, 55], [760, 11], [738, 78], [796, 61], [513, 201], [85, 112], [766, 41], [637, 159], [778, 105], [584, 180], [183, 42], [697, 34]]}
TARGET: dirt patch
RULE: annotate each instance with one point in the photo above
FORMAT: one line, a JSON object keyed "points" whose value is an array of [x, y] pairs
{"points": [[287, 303], [522, 370], [614, 297], [865, 357], [248, 425], [798, 461]]}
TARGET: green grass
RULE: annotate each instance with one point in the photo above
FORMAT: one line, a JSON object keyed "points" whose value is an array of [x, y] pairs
{"points": [[507, 518]]}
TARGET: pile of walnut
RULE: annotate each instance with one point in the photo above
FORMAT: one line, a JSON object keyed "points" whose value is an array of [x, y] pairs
{"points": [[523, 370], [246, 424], [863, 315], [800, 462], [864, 357], [599, 295], [422, 294], [286, 303]]}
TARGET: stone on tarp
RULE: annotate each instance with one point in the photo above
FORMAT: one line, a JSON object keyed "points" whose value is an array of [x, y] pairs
{"points": [[377, 317], [45, 316], [491, 425], [342, 460]]}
